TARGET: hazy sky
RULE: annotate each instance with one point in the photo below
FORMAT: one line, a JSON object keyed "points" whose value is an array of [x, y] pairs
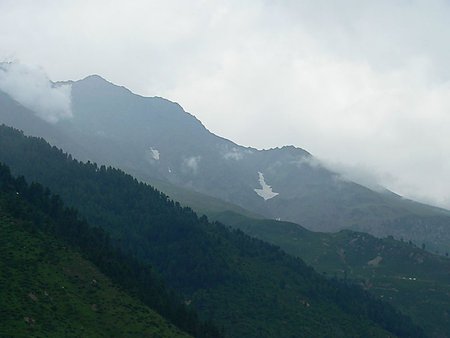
{"points": [[364, 85]]}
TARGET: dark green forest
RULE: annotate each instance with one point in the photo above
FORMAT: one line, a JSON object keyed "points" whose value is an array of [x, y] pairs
{"points": [[44, 212], [415, 281], [48, 289], [249, 287]]}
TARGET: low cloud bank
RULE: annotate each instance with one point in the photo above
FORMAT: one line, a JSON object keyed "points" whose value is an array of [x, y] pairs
{"points": [[31, 87], [360, 174]]}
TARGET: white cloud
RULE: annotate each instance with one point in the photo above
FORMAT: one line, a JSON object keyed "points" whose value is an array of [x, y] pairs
{"points": [[234, 154], [355, 82], [191, 164], [154, 153], [311, 161], [357, 173], [31, 87]]}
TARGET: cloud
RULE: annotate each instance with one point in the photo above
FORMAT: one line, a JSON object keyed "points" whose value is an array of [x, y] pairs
{"points": [[341, 86], [191, 164], [234, 154], [358, 173], [31, 87], [154, 153], [311, 161], [364, 83]]}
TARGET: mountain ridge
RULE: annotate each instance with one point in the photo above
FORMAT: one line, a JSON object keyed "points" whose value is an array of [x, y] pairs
{"points": [[237, 280], [155, 139]]}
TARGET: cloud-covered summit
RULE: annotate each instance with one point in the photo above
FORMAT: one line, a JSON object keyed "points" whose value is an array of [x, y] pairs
{"points": [[363, 83], [31, 87]]}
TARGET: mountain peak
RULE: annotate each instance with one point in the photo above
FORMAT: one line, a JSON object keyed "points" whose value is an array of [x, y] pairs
{"points": [[291, 150], [294, 149], [94, 77], [95, 84]]}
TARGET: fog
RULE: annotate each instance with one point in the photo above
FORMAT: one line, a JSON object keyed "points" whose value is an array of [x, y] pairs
{"points": [[359, 84], [31, 87]]}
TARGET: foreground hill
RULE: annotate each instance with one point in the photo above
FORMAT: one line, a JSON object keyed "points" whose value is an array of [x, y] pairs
{"points": [[399, 272], [50, 291], [251, 288], [48, 287], [155, 139]]}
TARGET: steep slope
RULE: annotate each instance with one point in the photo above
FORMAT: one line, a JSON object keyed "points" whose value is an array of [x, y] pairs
{"points": [[251, 288], [410, 278], [155, 139], [49, 289], [14, 114]]}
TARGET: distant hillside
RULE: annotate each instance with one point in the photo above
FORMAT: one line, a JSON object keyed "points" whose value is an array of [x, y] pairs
{"points": [[154, 139], [251, 288], [410, 278]]}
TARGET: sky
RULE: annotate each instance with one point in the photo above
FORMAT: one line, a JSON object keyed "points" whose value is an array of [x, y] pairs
{"points": [[362, 85]]}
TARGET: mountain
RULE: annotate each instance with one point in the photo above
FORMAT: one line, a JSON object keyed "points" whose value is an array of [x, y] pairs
{"points": [[410, 278], [247, 286], [155, 140]]}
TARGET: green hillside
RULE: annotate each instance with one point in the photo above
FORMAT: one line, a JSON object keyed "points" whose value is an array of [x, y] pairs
{"points": [[409, 277], [251, 288], [50, 290], [43, 214]]}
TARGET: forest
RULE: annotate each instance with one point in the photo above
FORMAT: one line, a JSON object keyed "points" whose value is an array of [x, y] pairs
{"points": [[231, 279], [44, 212]]}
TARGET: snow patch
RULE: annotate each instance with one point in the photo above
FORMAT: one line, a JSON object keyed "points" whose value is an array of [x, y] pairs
{"points": [[154, 153], [266, 191]]}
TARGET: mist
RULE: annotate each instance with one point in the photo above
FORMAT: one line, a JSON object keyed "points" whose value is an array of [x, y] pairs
{"points": [[366, 84], [31, 87], [191, 164]]}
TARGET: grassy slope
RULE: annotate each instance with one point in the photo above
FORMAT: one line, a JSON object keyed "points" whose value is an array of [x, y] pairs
{"points": [[414, 280], [47, 290]]}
